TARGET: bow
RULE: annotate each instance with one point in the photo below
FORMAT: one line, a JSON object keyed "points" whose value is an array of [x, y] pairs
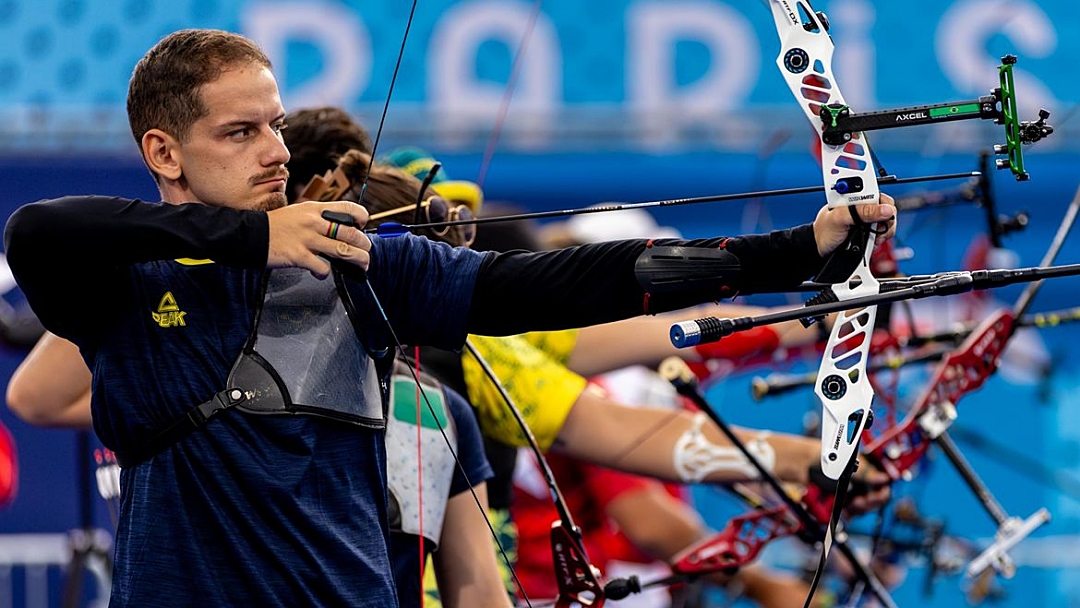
{"points": [[805, 61], [899, 449], [848, 165], [577, 579], [848, 169]]}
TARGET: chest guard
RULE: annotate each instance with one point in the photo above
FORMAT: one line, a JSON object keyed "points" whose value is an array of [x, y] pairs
{"points": [[305, 356], [416, 492]]}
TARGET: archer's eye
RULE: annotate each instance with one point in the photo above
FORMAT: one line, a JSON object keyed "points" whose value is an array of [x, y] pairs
{"points": [[239, 134]]}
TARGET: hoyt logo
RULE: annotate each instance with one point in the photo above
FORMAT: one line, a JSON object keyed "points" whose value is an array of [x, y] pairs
{"points": [[168, 312], [910, 116]]}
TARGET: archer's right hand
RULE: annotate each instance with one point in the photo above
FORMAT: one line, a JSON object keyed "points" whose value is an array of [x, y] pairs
{"points": [[300, 237]]}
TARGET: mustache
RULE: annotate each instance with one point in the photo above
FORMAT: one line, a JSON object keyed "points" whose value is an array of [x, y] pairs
{"points": [[282, 173]]}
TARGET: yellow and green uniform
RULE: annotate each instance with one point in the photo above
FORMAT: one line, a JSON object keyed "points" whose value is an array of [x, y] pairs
{"points": [[532, 369]]}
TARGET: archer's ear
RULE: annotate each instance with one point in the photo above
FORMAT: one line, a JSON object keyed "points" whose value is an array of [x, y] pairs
{"points": [[162, 154]]}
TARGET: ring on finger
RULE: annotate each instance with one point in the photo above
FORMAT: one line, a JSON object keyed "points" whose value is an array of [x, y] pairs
{"points": [[332, 229]]}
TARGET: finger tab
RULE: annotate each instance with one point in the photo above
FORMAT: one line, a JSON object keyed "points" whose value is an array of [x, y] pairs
{"points": [[341, 218]]}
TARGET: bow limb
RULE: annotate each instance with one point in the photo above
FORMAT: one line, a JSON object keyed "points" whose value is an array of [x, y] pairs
{"points": [[577, 579], [508, 93]]}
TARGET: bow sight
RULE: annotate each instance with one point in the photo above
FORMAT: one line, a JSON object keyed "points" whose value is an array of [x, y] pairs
{"points": [[1000, 106]]}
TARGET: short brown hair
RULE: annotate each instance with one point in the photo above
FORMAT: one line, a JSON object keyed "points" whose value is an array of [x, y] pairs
{"points": [[317, 138], [166, 86]]}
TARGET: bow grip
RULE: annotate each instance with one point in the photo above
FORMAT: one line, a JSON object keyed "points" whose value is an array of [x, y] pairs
{"points": [[846, 258]]}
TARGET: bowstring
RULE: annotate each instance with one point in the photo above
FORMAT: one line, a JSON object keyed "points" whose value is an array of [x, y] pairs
{"points": [[386, 104], [485, 164], [382, 313], [400, 347], [508, 94]]}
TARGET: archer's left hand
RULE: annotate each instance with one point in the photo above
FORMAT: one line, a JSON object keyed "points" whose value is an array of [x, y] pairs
{"points": [[832, 225], [870, 489]]}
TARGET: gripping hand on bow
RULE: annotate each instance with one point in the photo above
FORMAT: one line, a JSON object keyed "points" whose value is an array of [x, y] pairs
{"points": [[870, 487], [873, 489], [832, 225], [301, 237]]}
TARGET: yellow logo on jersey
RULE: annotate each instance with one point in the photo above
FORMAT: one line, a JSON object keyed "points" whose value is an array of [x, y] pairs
{"points": [[168, 312]]}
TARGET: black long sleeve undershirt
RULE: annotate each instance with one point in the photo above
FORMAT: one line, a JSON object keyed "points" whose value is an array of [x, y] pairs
{"points": [[596, 283], [131, 231], [514, 291], [78, 245]]}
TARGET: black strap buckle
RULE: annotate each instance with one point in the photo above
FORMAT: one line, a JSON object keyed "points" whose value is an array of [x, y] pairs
{"points": [[181, 427], [219, 403]]}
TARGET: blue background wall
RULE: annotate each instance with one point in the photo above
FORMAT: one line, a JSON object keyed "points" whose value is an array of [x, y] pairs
{"points": [[616, 101]]}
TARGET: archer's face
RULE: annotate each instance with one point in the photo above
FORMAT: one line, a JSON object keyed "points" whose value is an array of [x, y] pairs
{"points": [[234, 156]]}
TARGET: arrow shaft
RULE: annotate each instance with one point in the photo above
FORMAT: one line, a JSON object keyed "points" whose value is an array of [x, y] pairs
{"points": [[716, 198]]}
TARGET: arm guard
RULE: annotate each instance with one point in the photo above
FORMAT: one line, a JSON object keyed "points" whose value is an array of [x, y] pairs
{"points": [[675, 270]]}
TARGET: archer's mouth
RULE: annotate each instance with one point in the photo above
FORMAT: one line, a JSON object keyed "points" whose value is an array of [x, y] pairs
{"points": [[278, 183]]}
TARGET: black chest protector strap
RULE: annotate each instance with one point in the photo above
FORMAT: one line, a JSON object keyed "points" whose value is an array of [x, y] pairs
{"points": [[196, 418]]}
